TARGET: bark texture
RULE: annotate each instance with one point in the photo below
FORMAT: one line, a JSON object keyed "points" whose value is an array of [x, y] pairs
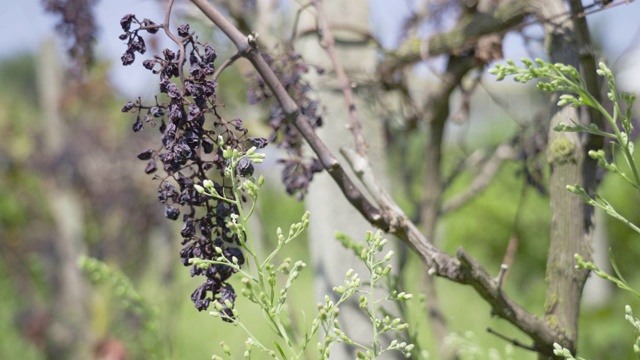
{"points": [[572, 220]]}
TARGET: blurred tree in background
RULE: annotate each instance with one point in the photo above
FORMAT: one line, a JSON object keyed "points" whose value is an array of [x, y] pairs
{"points": [[469, 164]]}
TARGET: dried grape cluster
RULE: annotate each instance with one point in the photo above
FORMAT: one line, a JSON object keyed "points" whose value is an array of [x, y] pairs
{"points": [[298, 170], [193, 136]]}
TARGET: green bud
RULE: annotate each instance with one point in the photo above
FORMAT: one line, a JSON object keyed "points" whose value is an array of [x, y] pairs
{"points": [[225, 348], [226, 153], [388, 256], [349, 273], [386, 270]]}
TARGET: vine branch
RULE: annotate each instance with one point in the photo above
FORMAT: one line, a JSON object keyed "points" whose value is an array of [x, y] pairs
{"points": [[328, 42]]}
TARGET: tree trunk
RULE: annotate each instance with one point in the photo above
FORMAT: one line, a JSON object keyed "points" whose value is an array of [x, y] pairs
{"points": [[68, 336], [572, 219]]}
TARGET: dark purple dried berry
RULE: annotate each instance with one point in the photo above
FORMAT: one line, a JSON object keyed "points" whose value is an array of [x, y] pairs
{"points": [[210, 87], [151, 25], [146, 154], [173, 91], [232, 252], [191, 89], [151, 167], [164, 84], [193, 58], [194, 112], [183, 30], [188, 229], [167, 141], [168, 54], [171, 212], [182, 150], [207, 145], [126, 20], [316, 165], [208, 70], [195, 71], [209, 54], [137, 126], [199, 298], [128, 58], [177, 114], [244, 167], [123, 36], [138, 46], [156, 111], [171, 71], [237, 123], [258, 142], [128, 106], [149, 64]]}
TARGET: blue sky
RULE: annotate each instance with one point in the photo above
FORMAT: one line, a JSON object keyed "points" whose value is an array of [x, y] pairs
{"points": [[618, 29]]}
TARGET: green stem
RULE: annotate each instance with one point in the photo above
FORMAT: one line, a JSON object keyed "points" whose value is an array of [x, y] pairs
{"points": [[372, 301], [249, 246], [623, 141], [253, 337]]}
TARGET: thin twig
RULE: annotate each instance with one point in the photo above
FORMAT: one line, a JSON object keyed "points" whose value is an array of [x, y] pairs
{"points": [[178, 41], [225, 65], [480, 182], [296, 21], [355, 126], [513, 342], [414, 49], [501, 275], [365, 35]]}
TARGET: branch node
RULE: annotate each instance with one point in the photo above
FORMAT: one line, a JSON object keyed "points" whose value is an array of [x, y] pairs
{"points": [[431, 271], [252, 39], [500, 277]]}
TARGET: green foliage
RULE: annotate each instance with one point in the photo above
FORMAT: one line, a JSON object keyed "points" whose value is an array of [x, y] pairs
{"points": [[378, 277], [130, 301], [565, 353], [469, 348], [267, 283], [618, 279], [564, 78], [12, 344]]}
